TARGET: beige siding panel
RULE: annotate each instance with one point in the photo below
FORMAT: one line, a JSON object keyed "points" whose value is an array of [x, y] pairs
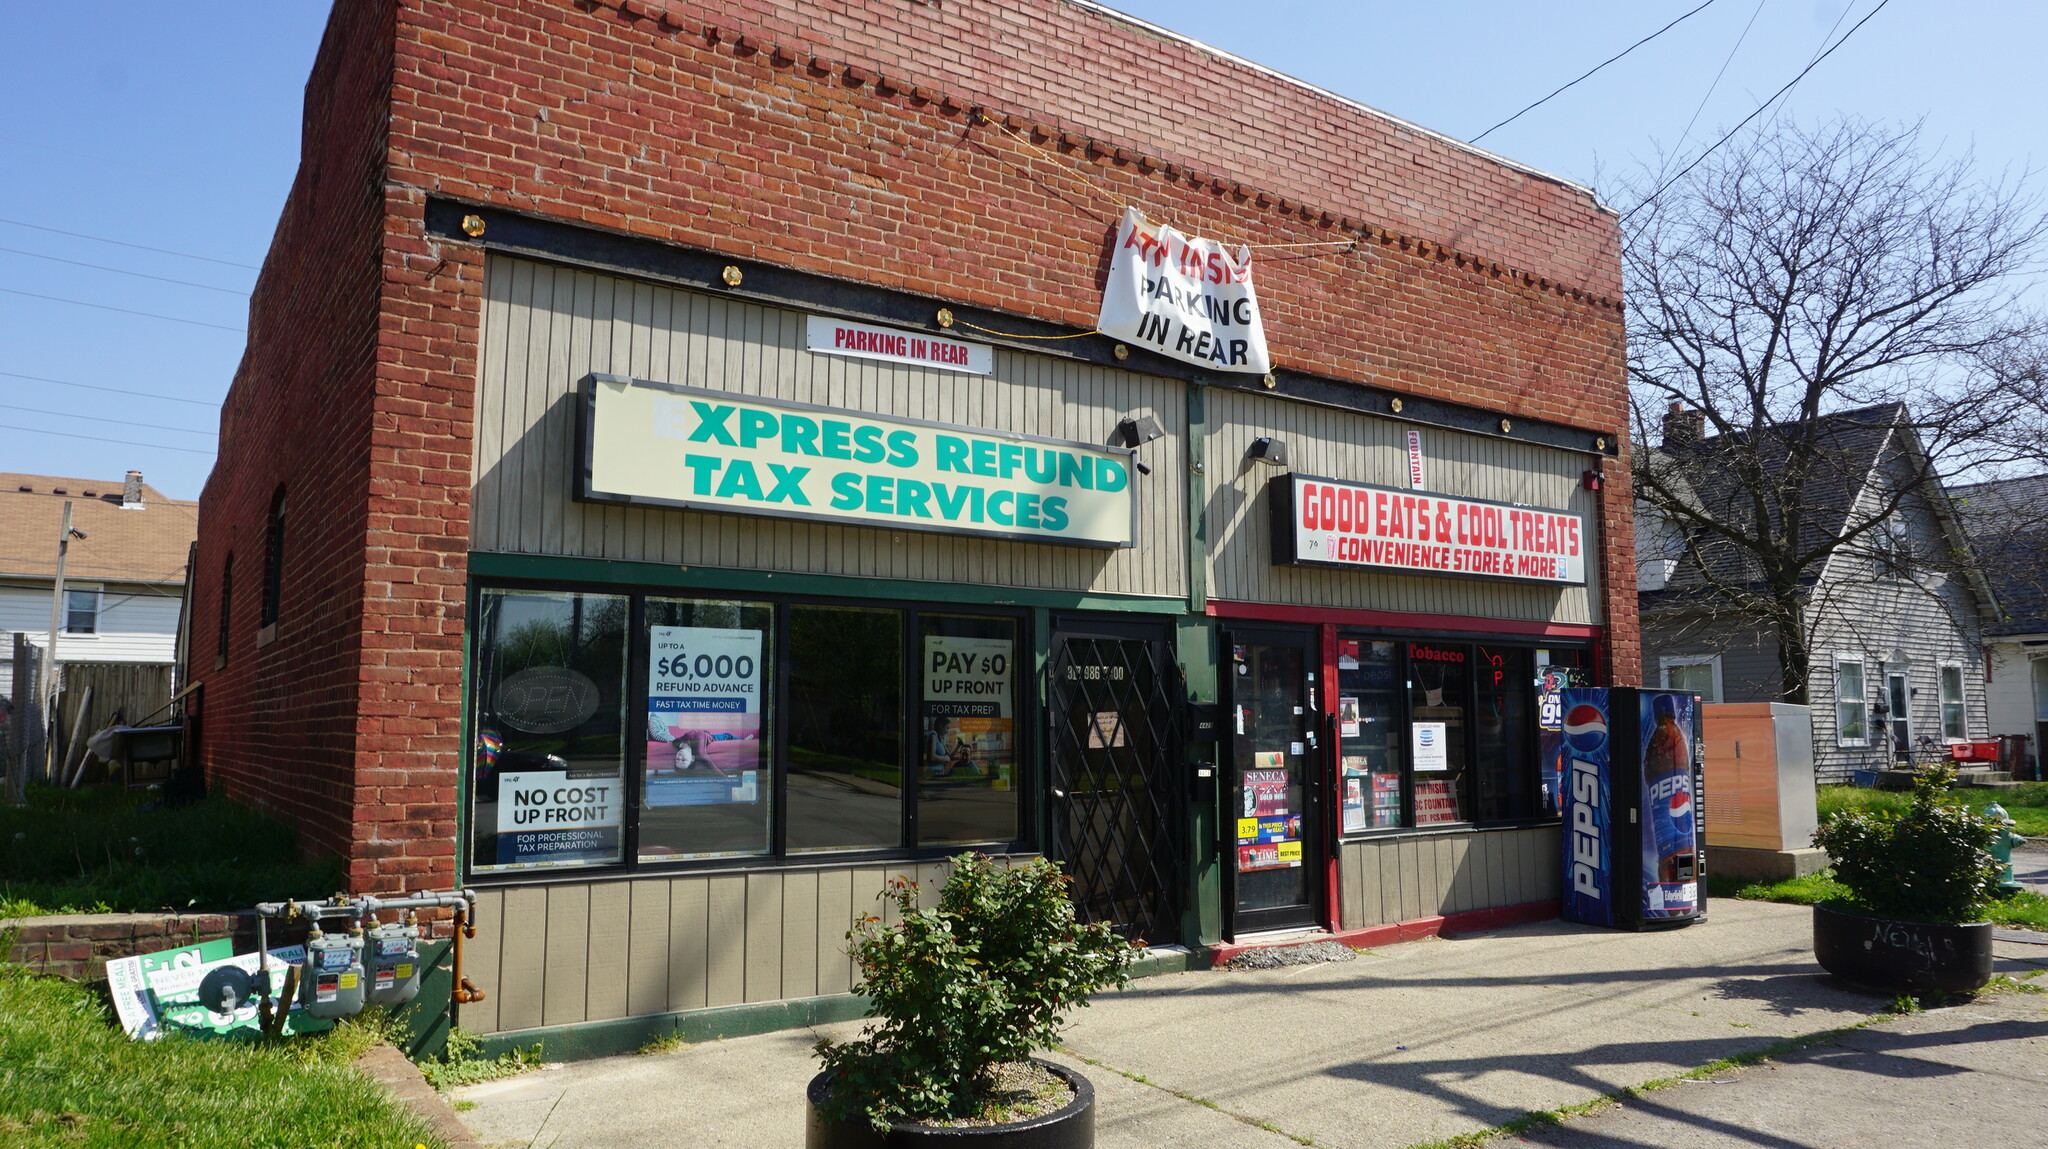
{"points": [[563, 1000], [1389, 854], [481, 962], [689, 933], [1549, 869], [1445, 871], [610, 934], [1370, 449], [647, 947], [835, 914], [725, 978], [546, 327], [1347, 892], [1459, 896], [764, 937], [800, 935], [523, 967], [1370, 912]]}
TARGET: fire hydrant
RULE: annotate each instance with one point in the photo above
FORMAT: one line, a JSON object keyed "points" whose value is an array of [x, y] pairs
{"points": [[2002, 844]]}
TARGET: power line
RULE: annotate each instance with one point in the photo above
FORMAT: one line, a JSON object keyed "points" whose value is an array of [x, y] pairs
{"points": [[1595, 68], [97, 439], [1715, 86], [111, 390], [122, 310], [104, 419], [136, 246], [1761, 108], [122, 271]]}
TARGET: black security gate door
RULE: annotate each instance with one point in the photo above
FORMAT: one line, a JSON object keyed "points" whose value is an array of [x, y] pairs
{"points": [[1118, 798]]}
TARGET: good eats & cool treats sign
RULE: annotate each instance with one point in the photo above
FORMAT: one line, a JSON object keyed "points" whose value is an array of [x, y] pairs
{"points": [[1330, 522], [670, 445]]}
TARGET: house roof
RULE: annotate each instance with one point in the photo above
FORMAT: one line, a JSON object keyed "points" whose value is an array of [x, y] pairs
{"points": [[2007, 521], [147, 545], [1841, 449]]}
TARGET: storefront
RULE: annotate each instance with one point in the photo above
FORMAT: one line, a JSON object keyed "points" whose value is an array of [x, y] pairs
{"points": [[709, 574]]}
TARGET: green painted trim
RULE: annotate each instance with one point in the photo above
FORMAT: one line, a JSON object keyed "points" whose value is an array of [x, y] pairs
{"points": [[426, 1019], [561, 568], [1202, 921], [1198, 498], [630, 1034]]}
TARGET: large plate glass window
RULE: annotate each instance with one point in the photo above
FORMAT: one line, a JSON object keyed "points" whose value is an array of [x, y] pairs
{"points": [[845, 728], [1503, 737], [708, 789], [967, 778], [1372, 729], [1439, 687], [549, 764]]}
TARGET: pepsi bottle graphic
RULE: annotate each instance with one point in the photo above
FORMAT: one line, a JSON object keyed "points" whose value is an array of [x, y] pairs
{"points": [[1670, 855]]}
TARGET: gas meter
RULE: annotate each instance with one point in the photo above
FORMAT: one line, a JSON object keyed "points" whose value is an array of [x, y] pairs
{"points": [[332, 985], [394, 961]]}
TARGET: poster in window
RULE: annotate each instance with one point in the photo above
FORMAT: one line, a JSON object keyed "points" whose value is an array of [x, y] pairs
{"points": [[1354, 804], [1265, 793], [1432, 746], [969, 727], [1347, 717], [703, 716]]}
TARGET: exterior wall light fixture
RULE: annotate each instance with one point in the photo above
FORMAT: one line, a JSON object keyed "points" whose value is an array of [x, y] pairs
{"points": [[1270, 451]]}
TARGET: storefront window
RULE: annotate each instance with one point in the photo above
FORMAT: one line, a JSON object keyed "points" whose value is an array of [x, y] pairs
{"points": [[1439, 683], [845, 728], [1503, 742], [967, 774], [1372, 729], [710, 735], [549, 765]]}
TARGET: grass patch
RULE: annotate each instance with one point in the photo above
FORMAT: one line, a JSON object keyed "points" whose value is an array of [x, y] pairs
{"points": [[461, 1063], [98, 850], [69, 1076], [2025, 910], [2027, 802]]}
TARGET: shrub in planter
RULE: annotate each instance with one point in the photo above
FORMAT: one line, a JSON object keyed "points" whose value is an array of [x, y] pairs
{"points": [[1919, 882], [964, 992]]}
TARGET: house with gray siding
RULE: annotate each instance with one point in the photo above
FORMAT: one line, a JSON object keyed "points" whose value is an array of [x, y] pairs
{"points": [[2008, 525], [1895, 617]]}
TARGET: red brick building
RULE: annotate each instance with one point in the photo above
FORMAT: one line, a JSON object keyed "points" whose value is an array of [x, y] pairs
{"points": [[534, 245]]}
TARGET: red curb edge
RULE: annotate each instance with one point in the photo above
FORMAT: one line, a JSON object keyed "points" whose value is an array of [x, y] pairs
{"points": [[1415, 929]]}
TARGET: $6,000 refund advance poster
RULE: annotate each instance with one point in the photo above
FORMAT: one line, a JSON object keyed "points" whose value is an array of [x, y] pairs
{"points": [[703, 716]]}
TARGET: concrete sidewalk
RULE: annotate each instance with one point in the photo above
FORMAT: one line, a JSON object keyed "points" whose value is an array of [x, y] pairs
{"points": [[1408, 1044]]}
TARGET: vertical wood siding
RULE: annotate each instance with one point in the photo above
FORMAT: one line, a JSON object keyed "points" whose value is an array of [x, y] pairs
{"points": [[1385, 880], [1362, 448], [589, 951], [545, 327]]}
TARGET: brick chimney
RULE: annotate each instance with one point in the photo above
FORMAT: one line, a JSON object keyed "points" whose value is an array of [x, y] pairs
{"points": [[1683, 428], [131, 490]]}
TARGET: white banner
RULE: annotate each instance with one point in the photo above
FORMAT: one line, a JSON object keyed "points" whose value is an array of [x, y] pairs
{"points": [[1187, 299], [1330, 522]]}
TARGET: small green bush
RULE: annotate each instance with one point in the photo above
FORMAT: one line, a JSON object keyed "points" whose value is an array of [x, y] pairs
{"points": [[986, 977], [1930, 862]]}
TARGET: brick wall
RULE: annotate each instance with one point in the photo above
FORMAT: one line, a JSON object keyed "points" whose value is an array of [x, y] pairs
{"points": [[851, 138], [79, 946]]}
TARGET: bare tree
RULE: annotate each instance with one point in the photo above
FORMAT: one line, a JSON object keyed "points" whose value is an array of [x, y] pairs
{"points": [[1800, 290]]}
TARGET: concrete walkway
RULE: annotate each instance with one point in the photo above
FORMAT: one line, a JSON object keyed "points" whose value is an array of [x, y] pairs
{"points": [[1405, 1045]]}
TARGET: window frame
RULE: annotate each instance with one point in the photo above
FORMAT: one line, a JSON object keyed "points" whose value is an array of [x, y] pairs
{"points": [[1666, 662], [1027, 782], [1468, 793], [270, 603], [226, 607], [98, 609], [1961, 701], [1861, 702]]}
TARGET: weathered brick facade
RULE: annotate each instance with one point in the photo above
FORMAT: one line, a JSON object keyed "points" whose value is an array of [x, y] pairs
{"points": [[972, 153]]}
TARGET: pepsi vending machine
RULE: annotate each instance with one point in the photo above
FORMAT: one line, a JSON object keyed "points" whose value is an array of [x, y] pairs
{"points": [[1634, 781]]}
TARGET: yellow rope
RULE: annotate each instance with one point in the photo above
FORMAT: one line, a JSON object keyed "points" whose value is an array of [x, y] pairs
{"points": [[1007, 335]]}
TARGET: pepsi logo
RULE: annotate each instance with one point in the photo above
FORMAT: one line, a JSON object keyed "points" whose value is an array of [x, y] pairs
{"points": [[1585, 727], [1681, 804]]}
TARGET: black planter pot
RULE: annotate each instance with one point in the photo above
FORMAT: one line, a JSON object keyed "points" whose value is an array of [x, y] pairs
{"points": [[1914, 957], [1070, 1127]]}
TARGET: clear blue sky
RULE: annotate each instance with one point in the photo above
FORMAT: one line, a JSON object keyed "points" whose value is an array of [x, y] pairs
{"points": [[176, 126]]}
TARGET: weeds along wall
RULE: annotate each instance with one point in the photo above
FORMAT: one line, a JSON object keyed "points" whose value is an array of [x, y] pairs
{"points": [[976, 155]]}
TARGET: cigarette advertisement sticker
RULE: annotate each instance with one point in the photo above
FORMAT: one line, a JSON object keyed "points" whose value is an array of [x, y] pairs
{"points": [[1184, 298], [1274, 856], [1332, 522], [1265, 793], [703, 716], [662, 444], [1278, 828]]}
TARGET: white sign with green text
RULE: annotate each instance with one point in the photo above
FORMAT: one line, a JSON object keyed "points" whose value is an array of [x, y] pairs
{"points": [[664, 444]]}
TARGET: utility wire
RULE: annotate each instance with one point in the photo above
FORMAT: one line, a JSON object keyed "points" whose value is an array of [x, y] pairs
{"points": [[1595, 68], [104, 419], [1761, 108], [122, 310], [111, 390], [122, 271], [1715, 86], [97, 439], [136, 246]]}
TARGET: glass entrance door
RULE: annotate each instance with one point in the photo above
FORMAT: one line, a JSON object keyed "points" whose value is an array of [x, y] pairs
{"points": [[1276, 773]]}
